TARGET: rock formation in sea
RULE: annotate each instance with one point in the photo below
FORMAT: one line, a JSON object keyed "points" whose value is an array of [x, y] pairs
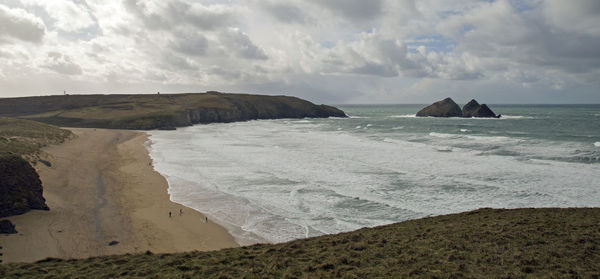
{"points": [[444, 108], [474, 109], [20, 187]]}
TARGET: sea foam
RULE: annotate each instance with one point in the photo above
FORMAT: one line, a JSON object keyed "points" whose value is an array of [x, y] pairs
{"points": [[280, 180]]}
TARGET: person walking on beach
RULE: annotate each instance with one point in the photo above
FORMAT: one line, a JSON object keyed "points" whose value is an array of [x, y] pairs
{"points": [[169, 214], [205, 219], [180, 212]]}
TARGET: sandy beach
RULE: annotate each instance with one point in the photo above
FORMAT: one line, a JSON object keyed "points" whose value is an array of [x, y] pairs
{"points": [[105, 198]]}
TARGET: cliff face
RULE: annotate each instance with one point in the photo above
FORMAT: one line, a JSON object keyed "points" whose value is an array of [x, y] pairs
{"points": [[20, 187], [165, 111]]}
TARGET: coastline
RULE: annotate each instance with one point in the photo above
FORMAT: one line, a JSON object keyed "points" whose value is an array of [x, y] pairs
{"points": [[102, 189]]}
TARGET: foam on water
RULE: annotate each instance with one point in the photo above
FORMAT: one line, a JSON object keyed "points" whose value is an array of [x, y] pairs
{"points": [[597, 144], [280, 180], [514, 117], [404, 116]]}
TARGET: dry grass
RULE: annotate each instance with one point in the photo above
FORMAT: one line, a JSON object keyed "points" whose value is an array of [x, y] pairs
{"points": [[486, 243], [25, 138]]}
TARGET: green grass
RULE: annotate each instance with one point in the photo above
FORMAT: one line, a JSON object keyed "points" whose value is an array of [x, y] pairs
{"points": [[25, 138], [486, 243], [158, 111]]}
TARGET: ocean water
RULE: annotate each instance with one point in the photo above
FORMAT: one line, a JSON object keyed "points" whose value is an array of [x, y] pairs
{"points": [[279, 180]]}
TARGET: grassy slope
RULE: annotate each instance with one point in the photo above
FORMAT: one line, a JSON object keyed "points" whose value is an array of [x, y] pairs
{"points": [[158, 111], [521, 243], [25, 138]]}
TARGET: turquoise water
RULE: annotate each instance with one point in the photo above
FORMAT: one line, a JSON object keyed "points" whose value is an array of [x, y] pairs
{"points": [[278, 180]]}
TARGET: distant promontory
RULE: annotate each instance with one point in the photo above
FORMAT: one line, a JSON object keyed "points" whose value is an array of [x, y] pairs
{"points": [[159, 111], [448, 108]]}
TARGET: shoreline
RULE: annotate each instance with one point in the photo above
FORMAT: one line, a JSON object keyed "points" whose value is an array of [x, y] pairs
{"points": [[106, 198]]}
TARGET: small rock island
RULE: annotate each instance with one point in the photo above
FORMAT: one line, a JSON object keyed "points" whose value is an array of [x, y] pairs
{"points": [[448, 108]]}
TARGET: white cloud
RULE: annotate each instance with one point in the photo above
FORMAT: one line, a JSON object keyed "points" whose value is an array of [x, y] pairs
{"points": [[68, 16], [19, 24]]}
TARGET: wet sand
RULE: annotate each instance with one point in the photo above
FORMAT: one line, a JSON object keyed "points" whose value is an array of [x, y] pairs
{"points": [[101, 188]]}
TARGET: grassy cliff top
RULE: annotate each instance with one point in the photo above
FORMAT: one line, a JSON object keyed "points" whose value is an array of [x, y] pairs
{"points": [[151, 111], [497, 243], [25, 138]]}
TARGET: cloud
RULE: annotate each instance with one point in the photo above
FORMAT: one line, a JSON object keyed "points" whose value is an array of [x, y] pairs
{"points": [[497, 33], [353, 9], [285, 12], [62, 64], [68, 16], [581, 16], [190, 42], [239, 42], [21, 25], [200, 16], [173, 14]]}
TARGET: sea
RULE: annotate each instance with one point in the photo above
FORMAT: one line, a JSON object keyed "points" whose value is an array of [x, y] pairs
{"points": [[278, 180]]}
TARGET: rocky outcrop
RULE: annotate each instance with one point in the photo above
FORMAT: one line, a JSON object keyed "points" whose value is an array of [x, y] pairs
{"points": [[448, 108], [474, 109], [20, 187], [469, 109], [444, 108], [6, 227]]}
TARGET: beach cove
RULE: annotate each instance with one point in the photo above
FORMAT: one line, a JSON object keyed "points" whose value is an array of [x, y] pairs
{"points": [[105, 198]]}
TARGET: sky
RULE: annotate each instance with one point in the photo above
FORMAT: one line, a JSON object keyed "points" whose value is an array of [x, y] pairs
{"points": [[326, 51]]}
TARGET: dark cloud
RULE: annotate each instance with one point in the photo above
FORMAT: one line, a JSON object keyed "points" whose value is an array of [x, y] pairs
{"points": [[284, 12], [62, 64], [21, 25], [225, 74], [199, 16], [375, 69], [500, 33], [177, 14], [151, 20], [190, 43], [354, 9], [174, 62], [240, 44]]}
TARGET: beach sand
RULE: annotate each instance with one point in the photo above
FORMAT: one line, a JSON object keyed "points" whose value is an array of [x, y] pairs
{"points": [[101, 188]]}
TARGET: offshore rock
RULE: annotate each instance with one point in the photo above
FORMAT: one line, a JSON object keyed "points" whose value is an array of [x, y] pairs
{"points": [[444, 108], [474, 109]]}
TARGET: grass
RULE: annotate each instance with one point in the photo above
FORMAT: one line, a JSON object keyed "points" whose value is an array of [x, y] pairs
{"points": [[486, 243], [154, 111], [25, 138]]}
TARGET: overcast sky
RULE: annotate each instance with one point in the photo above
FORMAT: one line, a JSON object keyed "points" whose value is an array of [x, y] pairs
{"points": [[327, 51]]}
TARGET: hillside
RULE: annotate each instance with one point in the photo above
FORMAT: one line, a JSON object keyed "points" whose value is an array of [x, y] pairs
{"points": [[20, 143], [25, 138], [498, 243], [159, 111]]}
